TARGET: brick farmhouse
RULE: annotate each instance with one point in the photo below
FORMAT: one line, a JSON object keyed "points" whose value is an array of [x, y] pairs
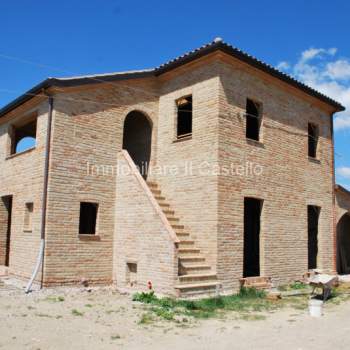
{"points": [[211, 170]]}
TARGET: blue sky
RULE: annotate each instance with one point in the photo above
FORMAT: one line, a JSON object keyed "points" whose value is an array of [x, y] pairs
{"points": [[309, 39]]}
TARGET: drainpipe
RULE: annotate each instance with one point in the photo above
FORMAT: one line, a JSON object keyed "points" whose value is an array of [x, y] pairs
{"points": [[40, 259], [333, 199]]}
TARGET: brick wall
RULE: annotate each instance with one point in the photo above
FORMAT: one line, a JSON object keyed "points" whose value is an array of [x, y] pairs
{"points": [[21, 176], [289, 182], [192, 193], [141, 237], [87, 136]]}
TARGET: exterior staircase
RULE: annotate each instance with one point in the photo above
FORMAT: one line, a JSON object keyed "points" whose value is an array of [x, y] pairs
{"points": [[195, 277]]}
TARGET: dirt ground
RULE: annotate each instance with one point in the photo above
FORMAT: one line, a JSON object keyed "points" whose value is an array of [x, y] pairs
{"points": [[101, 318]]}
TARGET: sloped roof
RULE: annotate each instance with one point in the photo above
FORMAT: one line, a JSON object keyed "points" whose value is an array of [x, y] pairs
{"points": [[342, 189], [216, 45]]}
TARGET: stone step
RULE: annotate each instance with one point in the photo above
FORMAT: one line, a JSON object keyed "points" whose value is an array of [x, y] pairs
{"points": [[197, 289], [191, 258], [186, 243], [203, 277], [164, 206], [152, 184], [258, 282], [261, 286], [192, 268], [177, 226], [169, 212], [189, 250], [173, 220], [182, 233], [159, 198], [155, 192]]}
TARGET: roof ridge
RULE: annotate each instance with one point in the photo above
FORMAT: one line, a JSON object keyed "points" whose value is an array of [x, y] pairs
{"points": [[216, 44], [220, 43]]}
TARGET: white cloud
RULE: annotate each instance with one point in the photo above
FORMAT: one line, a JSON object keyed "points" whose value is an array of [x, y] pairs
{"points": [[317, 68], [344, 172], [342, 122], [338, 70], [284, 65], [311, 53]]}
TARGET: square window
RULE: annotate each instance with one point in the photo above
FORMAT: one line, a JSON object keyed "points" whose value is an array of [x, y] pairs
{"points": [[131, 273], [28, 216]]}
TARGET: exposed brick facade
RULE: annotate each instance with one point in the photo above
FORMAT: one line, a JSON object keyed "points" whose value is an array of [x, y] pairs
{"points": [[87, 133]]}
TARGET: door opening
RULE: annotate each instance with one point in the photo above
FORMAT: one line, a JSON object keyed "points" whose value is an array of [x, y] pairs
{"points": [[5, 222], [137, 140], [343, 245], [252, 218], [313, 214]]}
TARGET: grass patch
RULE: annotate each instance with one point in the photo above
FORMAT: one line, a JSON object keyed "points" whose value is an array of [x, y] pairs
{"points": [[297, 285], [76, 312], [115, 337], [247, 300], [54, 299], [146, 318], [297, 302]]}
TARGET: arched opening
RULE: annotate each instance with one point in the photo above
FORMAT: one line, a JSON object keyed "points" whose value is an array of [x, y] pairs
{"points": [[137, 140], [23, 136], [343, 245], [25, 143]]}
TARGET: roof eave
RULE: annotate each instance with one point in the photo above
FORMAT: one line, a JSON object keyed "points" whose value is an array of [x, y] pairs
{"points": [[342, 189], [187, 58], [230, 50], [57, 82], [26, 96]]}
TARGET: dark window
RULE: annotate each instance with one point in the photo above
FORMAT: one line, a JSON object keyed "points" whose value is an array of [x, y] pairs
{"points": [[184, 116], [313, 214], [23, 136], [253, 119], [313, 140], [88, 216]]}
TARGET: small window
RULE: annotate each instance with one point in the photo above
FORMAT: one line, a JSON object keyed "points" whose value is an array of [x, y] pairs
{"points": [[253, 119], [131, 274], [184, 116], [313, 140], [28, 216], [88, 217], [23, 136]]}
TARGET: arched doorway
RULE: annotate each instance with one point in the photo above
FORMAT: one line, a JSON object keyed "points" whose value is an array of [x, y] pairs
{"points": [[343, 245], [137, 140]]}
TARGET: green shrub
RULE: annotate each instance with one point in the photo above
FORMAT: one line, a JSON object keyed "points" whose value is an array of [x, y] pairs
{"points": [[248, 299]]}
